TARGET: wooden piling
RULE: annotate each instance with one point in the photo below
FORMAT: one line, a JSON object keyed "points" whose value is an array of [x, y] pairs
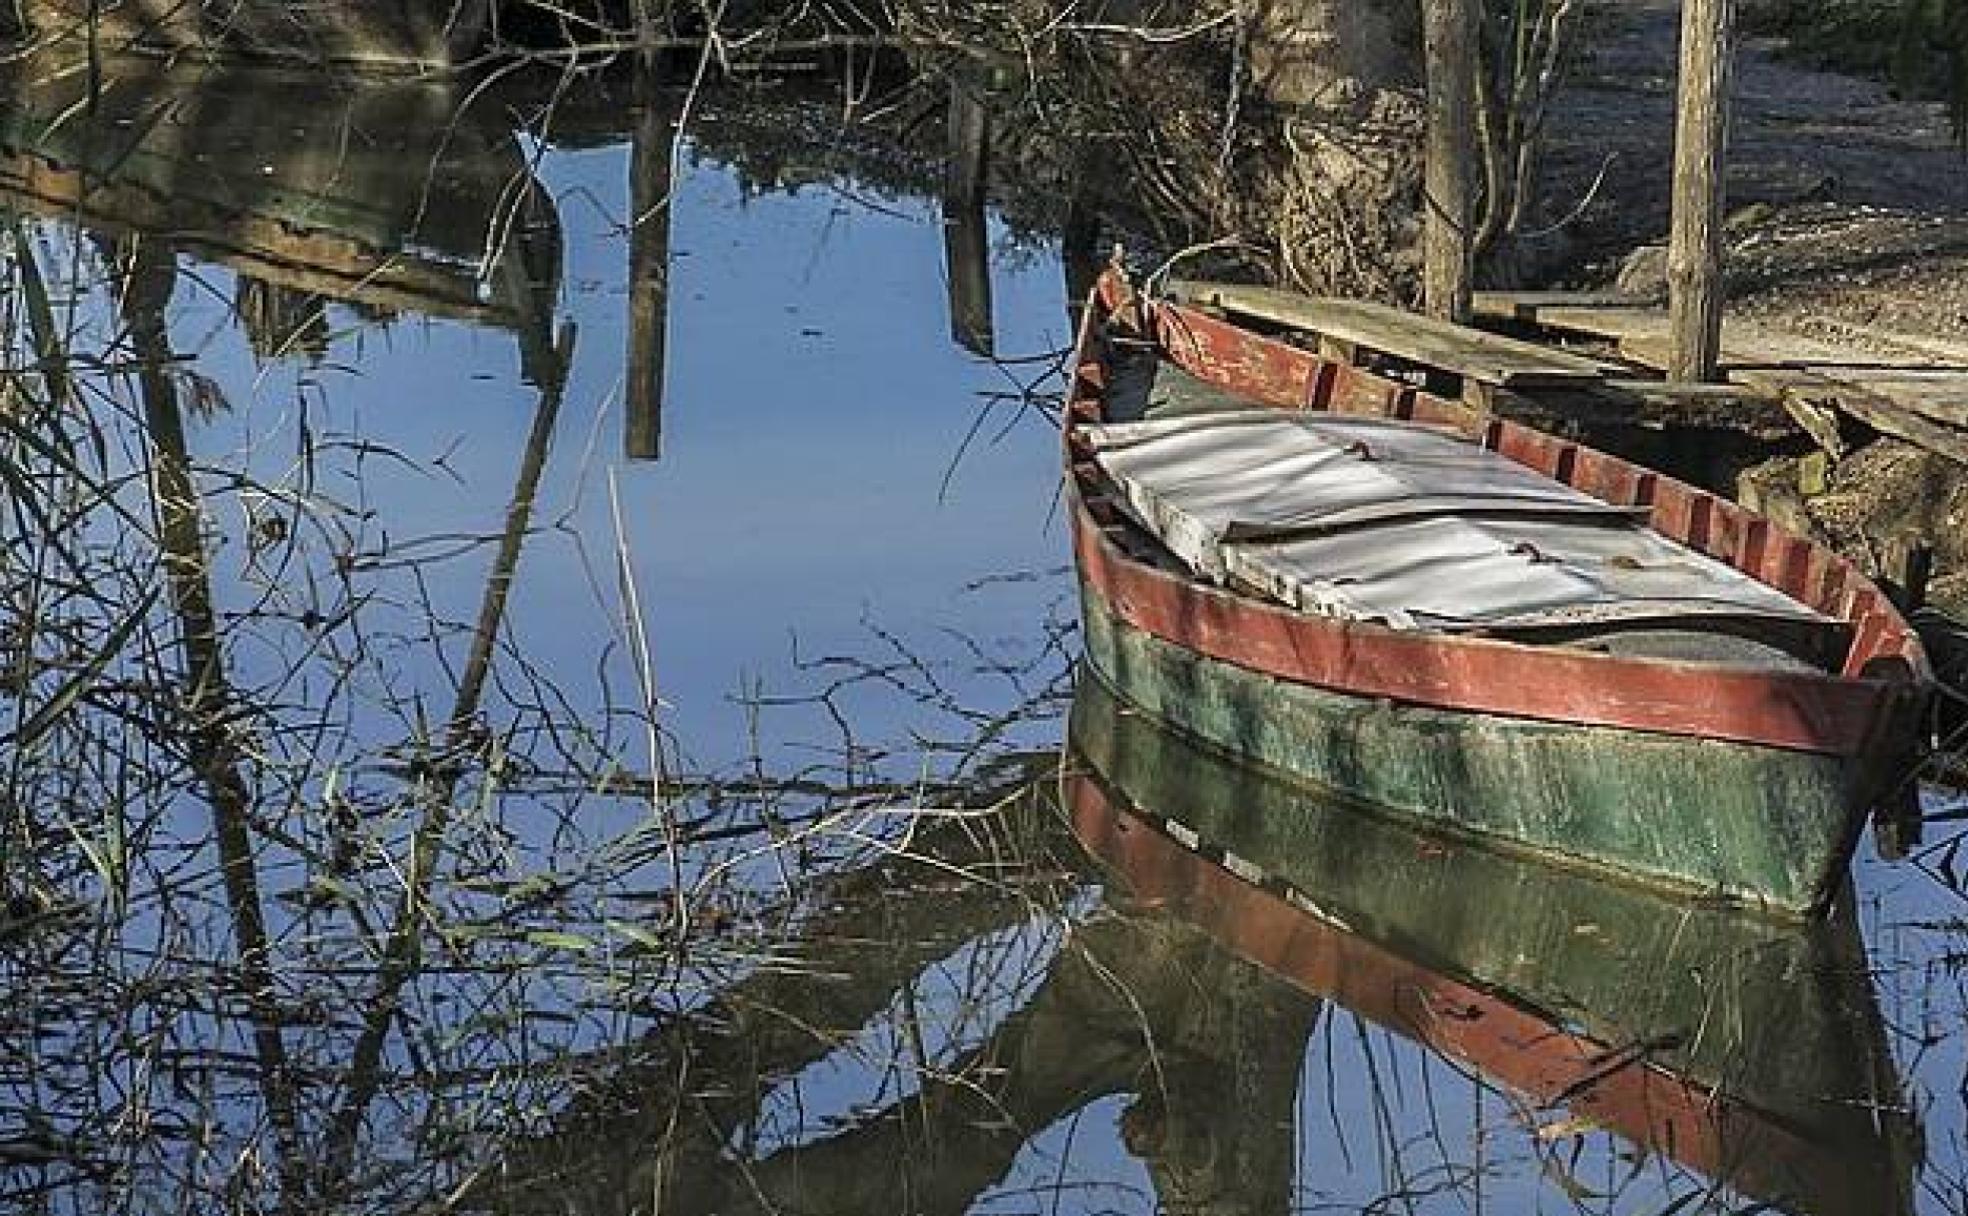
{"points": [[1694, 262], [650, 185], [966, 241], [1450, 38], [1079, 249]]}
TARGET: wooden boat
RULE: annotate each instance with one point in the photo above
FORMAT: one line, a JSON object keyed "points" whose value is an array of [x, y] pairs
{"points": [[1507, 634], [1749, 1051]]}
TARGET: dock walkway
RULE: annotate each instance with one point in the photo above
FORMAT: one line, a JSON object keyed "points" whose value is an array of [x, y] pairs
{"points": [[1610, 350]]}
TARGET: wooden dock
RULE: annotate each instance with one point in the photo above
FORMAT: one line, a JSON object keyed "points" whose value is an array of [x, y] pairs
{"points": [[1918, 393], [1611, 352], [1564, 360]]}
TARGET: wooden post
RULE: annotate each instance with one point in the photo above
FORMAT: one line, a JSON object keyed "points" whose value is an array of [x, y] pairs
{"points": [[1450, 38], [1079, 248], [966, 243], [207, 699], [1694, 259], [650, 187]]}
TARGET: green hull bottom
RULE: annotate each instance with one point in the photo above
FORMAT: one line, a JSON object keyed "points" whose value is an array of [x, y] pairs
{"points": [[1758, 825]]}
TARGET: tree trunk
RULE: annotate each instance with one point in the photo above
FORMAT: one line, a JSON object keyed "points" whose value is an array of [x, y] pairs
{"points": [[1694, 261], [1450, 35]]}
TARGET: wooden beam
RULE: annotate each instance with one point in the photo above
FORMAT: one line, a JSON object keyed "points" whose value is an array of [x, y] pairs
{"points": [[1079, 245], [966, 244], [1472, 354], [1518, 307], [1450, 38], [1815, 381], [1694, 261], [650, 197]]}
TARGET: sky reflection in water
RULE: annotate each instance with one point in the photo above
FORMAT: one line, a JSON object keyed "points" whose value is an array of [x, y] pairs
{"points": [[814, 409]]}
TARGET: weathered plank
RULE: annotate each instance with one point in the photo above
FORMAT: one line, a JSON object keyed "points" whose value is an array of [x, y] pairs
{"points": [[1612, 323], [1891, 417], [1812, 403], [1642, 335], [1924, 346], [1937, 394], [1925, 405], [1470, 353], [1527, 305], [1726, 407]]}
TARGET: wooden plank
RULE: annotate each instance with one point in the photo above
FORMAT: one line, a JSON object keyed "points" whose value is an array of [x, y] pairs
{"points": [[1728, 407], [1642, 335], [1527, 305], [1650, 405], [1890, 417], [1609, 322], [1925, 346], [1808, 401], [1937, 394], [1927, 406], [1470, 353]]}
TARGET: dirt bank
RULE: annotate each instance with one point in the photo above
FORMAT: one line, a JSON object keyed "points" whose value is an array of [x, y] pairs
{"points": [[1848, 222]]}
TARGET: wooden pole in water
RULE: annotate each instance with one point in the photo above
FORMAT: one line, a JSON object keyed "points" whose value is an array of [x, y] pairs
{"points": [[966, 245], [1450, 40], [650, 185], [1694, 259], [207, 699], [1079, 248]]}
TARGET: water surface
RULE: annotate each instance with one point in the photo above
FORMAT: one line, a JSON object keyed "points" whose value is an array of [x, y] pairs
{"points": [[458, 760]]}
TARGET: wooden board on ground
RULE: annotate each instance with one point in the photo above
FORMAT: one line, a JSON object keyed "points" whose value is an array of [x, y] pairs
{"points": [[1915, 400], [1526, 305], [1924, 346], [1937, 394], [1484, 358]]}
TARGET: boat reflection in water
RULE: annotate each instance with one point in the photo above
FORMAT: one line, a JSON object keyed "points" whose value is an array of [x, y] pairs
{"points": [[1750, 1052]]}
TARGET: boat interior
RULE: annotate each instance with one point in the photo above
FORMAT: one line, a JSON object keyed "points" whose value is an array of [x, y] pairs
{"points": [[1414, 526]]}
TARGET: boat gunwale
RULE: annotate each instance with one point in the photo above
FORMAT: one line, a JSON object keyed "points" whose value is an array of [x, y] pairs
{"points": [[1871, 704]]}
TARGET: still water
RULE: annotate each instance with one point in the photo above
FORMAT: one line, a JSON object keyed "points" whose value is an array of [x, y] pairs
{"points": [[473, 747]]}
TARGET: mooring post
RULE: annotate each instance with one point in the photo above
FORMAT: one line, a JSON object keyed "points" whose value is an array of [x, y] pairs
{"points": [[1450, 36], [966, 243], [1694, 259], [650, 185], [1079, 247]]}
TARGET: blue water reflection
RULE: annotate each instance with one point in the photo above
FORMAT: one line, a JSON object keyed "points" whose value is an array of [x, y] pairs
{"points": [[833, 465]]}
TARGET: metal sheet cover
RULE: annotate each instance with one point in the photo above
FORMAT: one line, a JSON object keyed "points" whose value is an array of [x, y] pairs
{"points": [[1408, 525]]}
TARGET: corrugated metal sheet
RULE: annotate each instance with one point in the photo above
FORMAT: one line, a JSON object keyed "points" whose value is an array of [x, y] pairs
{"points": [[1415, 527]]}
